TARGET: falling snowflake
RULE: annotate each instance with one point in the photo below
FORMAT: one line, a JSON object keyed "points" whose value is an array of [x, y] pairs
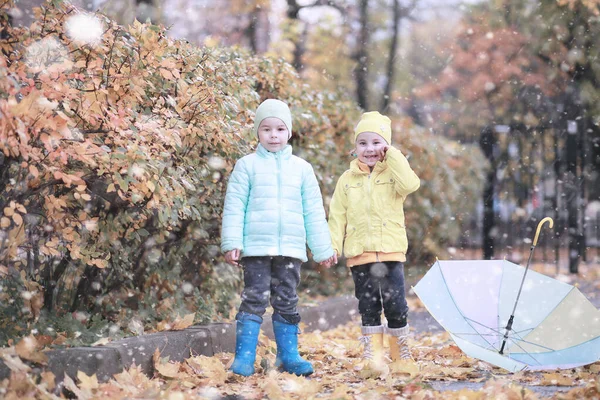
{"points": [[84, 28]]}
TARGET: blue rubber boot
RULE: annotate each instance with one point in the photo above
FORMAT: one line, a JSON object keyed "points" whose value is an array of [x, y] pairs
{"points": [[288, 359], [246, 340]]}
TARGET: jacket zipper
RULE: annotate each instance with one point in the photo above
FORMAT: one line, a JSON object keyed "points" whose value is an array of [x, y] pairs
{"points": [[369, 211], [278, 158]]}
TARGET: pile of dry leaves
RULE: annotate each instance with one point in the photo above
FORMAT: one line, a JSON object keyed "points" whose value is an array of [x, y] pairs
{"points": [[336, 357]]}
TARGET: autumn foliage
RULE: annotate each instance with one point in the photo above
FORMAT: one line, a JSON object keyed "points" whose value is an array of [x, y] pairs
{"points": [[114, 155], [491, 78]]}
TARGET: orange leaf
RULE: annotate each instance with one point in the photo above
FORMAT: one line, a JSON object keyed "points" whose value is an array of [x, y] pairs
{"points": [[27, 349], [34, 171]]}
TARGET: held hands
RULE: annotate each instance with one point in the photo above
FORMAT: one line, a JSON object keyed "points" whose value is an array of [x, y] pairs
{"points": [[232, 257], [330, 261]]}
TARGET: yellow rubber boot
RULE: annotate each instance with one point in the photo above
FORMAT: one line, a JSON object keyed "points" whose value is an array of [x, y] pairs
{"points": [[373, 364], [398, 339], [373, 347]]}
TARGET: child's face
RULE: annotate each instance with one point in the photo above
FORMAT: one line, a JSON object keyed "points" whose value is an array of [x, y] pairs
{"points": [[369, 148], [273, 134]]}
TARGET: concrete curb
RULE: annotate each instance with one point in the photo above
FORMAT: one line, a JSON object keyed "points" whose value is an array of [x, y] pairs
{"points": [[111, 359]]}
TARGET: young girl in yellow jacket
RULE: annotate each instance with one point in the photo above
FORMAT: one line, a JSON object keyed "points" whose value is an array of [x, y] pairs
{"points": [[366, 220]]}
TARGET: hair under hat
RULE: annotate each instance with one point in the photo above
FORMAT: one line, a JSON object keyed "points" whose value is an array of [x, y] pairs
{"points": [[373, 121], [273, 108]]}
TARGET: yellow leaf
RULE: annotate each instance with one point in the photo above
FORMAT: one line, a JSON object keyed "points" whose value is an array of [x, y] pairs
{"points": [[163, 326], [111, 188], [21, 208], [87, 382], [166, 73], [373, 370], [8, 211], [405, 367], [101, 342], [556, 379], [4, 222], [272, 389], [168, 370], [86, 197], [151, 187], [186, 322], [18, 219], [209, 367]]}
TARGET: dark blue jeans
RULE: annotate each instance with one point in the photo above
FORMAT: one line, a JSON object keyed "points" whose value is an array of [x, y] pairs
{"points": [[271, 278], [378, 285]]}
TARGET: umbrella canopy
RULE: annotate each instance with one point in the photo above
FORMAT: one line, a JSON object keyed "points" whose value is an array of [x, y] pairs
{"points": [[554, 325]]}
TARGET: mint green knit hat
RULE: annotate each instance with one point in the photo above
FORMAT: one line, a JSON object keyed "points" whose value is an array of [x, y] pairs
{"points": [[273, 108]]}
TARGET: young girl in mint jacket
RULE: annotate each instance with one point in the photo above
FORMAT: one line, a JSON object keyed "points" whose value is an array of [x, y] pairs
{"points": [[273, 208]]}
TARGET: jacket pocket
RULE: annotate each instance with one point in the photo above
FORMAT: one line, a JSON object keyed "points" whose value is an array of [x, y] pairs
{"points": [[394, 237], [352, 245]]}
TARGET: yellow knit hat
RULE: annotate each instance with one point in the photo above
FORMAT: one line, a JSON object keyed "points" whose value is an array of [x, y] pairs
{"points": [[374, 122]]}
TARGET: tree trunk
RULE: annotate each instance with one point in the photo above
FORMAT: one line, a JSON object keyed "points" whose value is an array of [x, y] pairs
{"points": [[258, 30], [88, 287], [362, 58], [487, 142], [293, 12], [387, 93]]}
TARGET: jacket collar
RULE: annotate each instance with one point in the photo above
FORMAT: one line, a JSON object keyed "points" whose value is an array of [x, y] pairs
{"points": [[360, 168], [284, 153]]}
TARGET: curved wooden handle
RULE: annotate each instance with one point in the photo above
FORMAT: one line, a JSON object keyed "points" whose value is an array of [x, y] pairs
{"points": [[539, 228]]}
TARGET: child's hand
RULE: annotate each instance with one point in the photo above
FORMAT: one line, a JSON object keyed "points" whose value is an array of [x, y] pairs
{"points": [[382, 152], [330, 261], [232, 257]]}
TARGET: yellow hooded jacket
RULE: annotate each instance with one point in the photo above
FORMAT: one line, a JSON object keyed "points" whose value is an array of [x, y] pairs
{"points": [[366, 214]]}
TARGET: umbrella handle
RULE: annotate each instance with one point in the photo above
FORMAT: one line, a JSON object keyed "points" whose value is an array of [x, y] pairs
{"points": [[539, 228]]}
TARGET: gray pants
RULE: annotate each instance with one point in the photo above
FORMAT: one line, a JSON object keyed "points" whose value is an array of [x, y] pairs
{"points": [[274, 278]]}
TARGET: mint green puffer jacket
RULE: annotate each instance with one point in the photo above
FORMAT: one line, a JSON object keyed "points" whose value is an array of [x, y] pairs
{"points": [[273, 207]]}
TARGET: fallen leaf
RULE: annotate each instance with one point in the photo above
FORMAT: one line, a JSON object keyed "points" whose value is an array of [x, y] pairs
{"points": [[556, 379], [49, 379], [27, 349], [101, 342], [186, 322], [168, 370], [208, 367], [87, 382]]}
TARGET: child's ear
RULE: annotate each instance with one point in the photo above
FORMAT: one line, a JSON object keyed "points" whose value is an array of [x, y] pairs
{"points": [[352, 152]]}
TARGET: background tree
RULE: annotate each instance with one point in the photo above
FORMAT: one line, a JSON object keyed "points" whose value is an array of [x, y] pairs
{"points": [[398, 13]]}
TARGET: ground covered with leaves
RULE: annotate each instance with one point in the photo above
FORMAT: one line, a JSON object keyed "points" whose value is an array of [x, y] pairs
{"points": [[336, 356]]}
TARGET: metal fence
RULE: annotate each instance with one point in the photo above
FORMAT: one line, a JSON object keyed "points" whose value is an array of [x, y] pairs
{"points": [[515, 227], [536, 173]]}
